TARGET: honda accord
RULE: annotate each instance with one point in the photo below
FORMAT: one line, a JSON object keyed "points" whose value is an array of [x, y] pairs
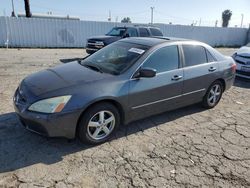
{"points": [[128, 80]]}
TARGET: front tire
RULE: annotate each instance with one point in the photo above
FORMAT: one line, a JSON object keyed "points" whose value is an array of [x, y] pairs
{"points": [[98, 123], [213, 95]]}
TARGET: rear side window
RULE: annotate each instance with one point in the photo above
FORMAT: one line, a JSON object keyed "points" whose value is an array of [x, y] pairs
{"points": [[164, 59], [210, 58], [194, 55], [144, 32], [156, 32], [132, 32]]}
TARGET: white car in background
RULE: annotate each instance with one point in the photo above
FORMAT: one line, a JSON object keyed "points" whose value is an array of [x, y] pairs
{"points": [[242, 59]]}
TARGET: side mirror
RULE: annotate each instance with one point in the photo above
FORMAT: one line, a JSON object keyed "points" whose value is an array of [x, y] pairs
{"points": [[145, 73]]}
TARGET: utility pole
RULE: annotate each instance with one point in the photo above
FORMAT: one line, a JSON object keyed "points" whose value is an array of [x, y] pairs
{"points": [[216, 23], [27, 8], [242, 18], [109, 18], [152, 15], [13, 9]]}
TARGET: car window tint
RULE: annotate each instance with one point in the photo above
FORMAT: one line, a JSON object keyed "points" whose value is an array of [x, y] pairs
{"points": [[116, 57], [132, 32], [164, 59], [210, 58], [156, 32], [117, 32], [143, 32], [194, 55]]}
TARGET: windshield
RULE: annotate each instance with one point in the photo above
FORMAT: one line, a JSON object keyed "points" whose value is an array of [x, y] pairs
{"points": [[115, 58], [117, 32]]}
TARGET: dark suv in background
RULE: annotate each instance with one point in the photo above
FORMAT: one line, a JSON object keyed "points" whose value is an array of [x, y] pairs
{"points": [[117, 33]]}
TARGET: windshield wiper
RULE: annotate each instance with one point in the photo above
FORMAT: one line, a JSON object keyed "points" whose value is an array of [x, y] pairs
{"points": [[93, 67]]}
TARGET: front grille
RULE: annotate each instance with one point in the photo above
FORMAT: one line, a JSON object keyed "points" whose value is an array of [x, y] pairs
{"points": [[240, 62], [91, 46], [243, 73]]}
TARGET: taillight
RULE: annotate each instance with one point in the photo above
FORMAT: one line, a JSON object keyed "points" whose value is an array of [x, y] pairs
{"points": [[233, 67]]}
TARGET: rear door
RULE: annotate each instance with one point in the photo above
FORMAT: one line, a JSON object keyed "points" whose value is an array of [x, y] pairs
{"points": [[200, 70], [149, 96]]}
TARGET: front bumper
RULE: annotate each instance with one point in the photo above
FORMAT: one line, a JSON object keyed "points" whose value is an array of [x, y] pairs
{"points": [[243, 67], [51, 125], [243, 74]]}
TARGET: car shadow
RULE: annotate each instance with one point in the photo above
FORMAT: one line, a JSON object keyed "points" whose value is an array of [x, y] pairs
{"points": [[21, 148], [242, 82]]}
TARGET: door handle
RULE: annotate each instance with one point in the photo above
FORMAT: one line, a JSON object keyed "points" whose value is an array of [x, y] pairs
{"points": [[176, 77], [212, 69]]}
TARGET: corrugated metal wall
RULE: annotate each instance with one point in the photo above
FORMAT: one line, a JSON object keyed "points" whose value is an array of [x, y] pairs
{"points": [[35, 32]]}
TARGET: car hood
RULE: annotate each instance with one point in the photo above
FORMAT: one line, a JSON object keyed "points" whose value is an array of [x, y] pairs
{"points": [[244, 51], [60, 77], [104, 38]]}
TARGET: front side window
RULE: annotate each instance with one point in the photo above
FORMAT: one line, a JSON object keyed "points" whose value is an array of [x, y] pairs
{"points": [[164, 59], [143, 32], [115, 58], [194, 55], [116, 31]]}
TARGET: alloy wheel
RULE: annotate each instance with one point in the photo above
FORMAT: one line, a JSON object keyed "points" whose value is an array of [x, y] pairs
{"points": [[101, 125], [214, 95]]}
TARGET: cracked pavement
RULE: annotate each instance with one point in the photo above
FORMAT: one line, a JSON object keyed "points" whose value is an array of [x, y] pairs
{"points": [[188, 147]]}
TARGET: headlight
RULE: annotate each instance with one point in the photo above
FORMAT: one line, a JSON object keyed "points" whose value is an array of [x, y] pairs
{"points": [[51, 105]]}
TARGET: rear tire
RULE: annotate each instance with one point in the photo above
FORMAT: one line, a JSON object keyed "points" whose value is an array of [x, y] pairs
{"points": [[98, 123], [213, 95]]}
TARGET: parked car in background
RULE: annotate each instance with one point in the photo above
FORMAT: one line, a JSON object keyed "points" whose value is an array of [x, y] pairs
{"points": [[128, 80], [242, 59], [117, 33]]}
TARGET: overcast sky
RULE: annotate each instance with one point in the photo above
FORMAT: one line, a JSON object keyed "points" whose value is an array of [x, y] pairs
{"points": [[165, 11]]}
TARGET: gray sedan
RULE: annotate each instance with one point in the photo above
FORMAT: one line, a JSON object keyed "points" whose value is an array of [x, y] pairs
{"points": [[128, 80]]}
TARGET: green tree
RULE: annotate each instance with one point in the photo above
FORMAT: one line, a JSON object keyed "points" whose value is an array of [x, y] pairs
{"points": [[27, 8], [126, 20], [226, 16]]}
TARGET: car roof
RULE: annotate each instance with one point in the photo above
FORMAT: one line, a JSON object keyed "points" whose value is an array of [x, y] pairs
{"points": [[151, 41], [136, 26]]}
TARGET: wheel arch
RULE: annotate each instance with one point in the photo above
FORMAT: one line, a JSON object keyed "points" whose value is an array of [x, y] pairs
{"points": [[223, 82], [111, 101]]}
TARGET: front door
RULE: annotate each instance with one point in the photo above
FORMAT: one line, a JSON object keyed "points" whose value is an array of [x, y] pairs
{"points": [[148, 96]]}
